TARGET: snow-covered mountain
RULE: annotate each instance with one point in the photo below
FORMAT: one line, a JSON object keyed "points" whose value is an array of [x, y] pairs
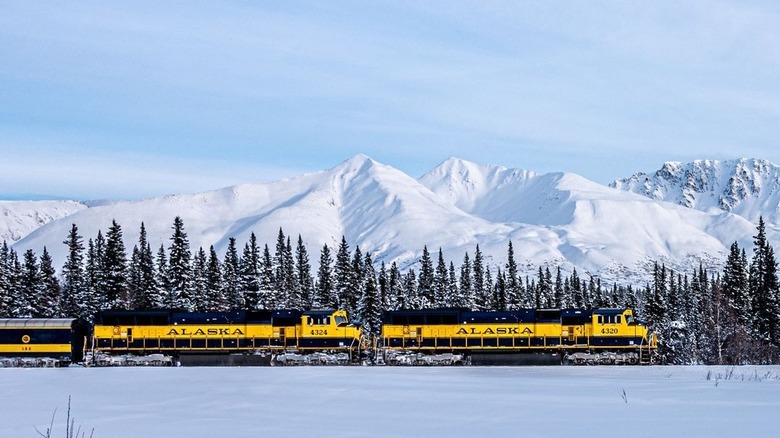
{"points": [[746, 187], [375, 206], [556, 218], [20, 218]]}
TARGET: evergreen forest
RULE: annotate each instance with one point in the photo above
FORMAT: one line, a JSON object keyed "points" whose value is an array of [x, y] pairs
{"points": [[701, 317]]}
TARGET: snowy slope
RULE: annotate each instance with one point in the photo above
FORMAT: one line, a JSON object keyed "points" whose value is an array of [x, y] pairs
{"points": [[375, 206], [557, 218], [550, 402], [19, 218], [747, 187], [599, 229]]}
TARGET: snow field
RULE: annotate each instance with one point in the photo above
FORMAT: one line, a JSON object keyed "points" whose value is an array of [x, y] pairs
{"points": [[395, 401]]}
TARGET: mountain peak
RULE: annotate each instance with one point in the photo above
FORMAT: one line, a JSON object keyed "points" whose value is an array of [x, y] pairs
{"points": [[749, 187], [358, 161]]}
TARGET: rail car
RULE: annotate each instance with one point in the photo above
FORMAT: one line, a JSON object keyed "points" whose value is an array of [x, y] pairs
{"points": [[42, 342], [544, 336], [163, 337]]}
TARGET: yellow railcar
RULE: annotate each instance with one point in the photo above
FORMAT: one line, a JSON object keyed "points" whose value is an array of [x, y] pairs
{"points": [[496, 337], [187, 335]]}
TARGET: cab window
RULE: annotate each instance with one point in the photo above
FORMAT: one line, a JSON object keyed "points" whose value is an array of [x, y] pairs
{"points": [[340, 320], [610, 319]]}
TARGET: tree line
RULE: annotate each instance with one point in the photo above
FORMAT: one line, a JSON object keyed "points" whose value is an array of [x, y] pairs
{"points": [[701, 318], [731, 317]]}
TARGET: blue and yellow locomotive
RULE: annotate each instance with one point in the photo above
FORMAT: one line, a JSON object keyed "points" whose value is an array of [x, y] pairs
{"points": [[459, 336], [164, 337]]}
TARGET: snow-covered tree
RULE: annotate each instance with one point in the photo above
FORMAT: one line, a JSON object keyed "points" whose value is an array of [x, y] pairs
{"points": [[162, 282], [305, 284], [269, 299], [396, 297], [425, 281], [466, 297], [369, 308], [74, 285], [48, 302], [250, 273], [325, 296], [143, 291], [29, 286], [215, 296], [231, 277], [441, 283], [114, 264], [200, 299]]}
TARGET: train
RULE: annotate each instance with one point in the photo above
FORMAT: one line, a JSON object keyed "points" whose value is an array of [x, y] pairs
{"points": [[329, 337], [525, 336]]}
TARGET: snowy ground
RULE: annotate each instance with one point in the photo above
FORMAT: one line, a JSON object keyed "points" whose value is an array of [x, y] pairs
{"points": [[394, 401]]}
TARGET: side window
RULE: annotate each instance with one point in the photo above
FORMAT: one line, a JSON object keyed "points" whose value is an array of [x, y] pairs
{"points": [[601, 319], [617, 319]]}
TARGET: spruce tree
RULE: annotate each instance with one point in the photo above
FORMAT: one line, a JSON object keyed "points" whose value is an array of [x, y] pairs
{"points": [[48, 302], [382, 283], [305, 283], [17, 301], [326, 291], [30, 287], [162, 282], [5, 282], [478, 281], [764, 286], [425, 281], [578, 297], [441, 286], [180, 266], [487, 293], [409, 298], [73, 283], [369, 308], [500, 292], [249, 277], [141, 285], [291, 278], [545, 289], [231, 279], [342, 274], [465, 297], [250, 273], [357, 283], [215, 297], [513, 287], [200, 299], [284, 273], [396, 298], [269, 298], [453, 293], [115, 269], [95, 275]]}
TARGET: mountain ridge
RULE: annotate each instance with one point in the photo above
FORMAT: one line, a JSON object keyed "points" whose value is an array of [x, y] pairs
{"points": [[749, 187], [553, 219]]}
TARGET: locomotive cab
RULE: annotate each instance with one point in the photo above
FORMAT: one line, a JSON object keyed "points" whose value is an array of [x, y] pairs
{"points": [[328, 329], [619, 327]]}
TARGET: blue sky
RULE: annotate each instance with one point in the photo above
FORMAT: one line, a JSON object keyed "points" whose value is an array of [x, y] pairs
{"points": [[130, 100]]}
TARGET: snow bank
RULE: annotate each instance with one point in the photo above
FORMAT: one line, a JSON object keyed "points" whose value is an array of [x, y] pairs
{"points": [[391, 402]]}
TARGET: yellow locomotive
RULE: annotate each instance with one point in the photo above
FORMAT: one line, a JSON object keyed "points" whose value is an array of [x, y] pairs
{"points": [[459, 336], [163, 337]]}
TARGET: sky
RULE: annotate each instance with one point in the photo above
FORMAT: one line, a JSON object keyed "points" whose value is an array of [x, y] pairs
{"points": [[117, 100]]}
